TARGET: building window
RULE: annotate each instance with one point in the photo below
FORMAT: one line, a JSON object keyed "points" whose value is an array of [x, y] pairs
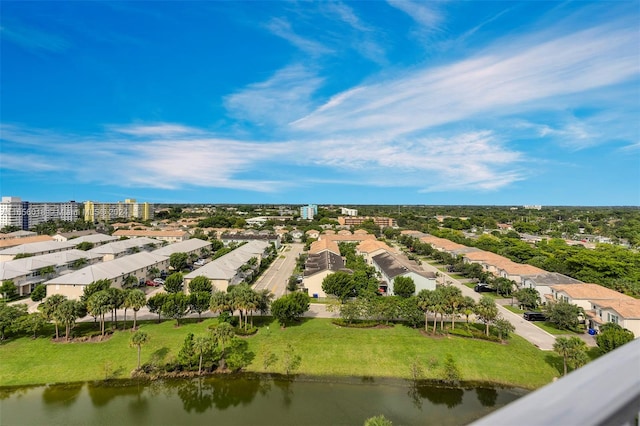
{"points": [[612, 318]]}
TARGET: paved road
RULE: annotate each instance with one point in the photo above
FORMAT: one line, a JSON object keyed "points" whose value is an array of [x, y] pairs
{"points": [[526, 329], [276, 277]]}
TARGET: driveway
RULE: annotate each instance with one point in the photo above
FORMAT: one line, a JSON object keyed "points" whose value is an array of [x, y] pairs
{"points": [[523, 328]]}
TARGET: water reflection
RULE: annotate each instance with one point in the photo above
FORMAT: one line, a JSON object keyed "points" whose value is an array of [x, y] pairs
{"points": [[63, 395], [487, 396], [250, 399]]}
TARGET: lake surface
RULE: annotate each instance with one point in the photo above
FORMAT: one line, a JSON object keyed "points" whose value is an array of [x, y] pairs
{"points": [[249, 400]]}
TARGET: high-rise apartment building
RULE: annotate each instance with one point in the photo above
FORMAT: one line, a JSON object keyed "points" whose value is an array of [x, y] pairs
{"points": [[26, 214], [309, 211], [129, 209]]}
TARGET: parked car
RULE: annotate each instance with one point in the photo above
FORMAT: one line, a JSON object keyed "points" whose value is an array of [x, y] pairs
{"points": [[158, 281], [199, 262], [482, 288], [534, 316], [150, 283]]}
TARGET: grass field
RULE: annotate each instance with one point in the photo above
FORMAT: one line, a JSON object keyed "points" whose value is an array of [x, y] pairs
{"points": [[325, 349]]}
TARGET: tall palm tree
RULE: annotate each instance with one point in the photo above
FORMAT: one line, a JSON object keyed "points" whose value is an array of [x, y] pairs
{"points": [[98, 304], [201, 344], [138, 339], [134, 299], [562, 346], [424, 303], [49, 306]]}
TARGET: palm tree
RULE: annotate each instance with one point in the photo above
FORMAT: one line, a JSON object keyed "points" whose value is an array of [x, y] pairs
{"points": [[134, 299], [49, 307], [98, 304], [138, 339], [221, 334], [563, 347], [573, 351], [201, 344], [424, 303], [67, 313]]}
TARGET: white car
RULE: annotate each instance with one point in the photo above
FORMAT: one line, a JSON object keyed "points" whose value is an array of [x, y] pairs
{"points": [[199, 262], [158, 280]]}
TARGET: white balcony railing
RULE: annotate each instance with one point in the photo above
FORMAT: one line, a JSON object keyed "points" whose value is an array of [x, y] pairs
{"points": [[603, 392]]}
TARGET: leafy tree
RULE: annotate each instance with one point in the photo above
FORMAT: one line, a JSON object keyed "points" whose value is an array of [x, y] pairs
{"points": [[49, 307], [174, 283], [178, 261], [32, 323], [79, 263], [409, 311], [199, 302], [8, 290], [222, 334], [529, 298], [176, 306], [155, 303], [239, 355], [564, 315], [503, 286], [39, 293], [572, 350], [9, 316], [468, 306], [200, 284], [153, 272], [612, 336], [339, 284], [22, 256], [85, 245], [503, 327], [187, 354], [220, 302], [451, 372], [404, 286], [290, 359], [487, 311], [290, 307], [130, 282], [138, 339], [134, 299]]}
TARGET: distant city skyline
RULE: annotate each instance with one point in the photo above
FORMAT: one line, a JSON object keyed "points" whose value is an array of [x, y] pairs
{"points": [[354, 103]]}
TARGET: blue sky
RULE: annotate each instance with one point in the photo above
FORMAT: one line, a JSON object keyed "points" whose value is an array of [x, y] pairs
{"points": [[374, 102]]}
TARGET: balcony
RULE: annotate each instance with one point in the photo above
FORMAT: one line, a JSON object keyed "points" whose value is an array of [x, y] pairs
{"points": [[603, 392]]}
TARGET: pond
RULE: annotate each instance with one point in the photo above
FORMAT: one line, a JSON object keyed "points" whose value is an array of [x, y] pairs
{"points": [[249, 399]]}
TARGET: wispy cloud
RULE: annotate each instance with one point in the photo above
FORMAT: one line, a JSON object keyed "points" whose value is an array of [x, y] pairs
{"points": [[284, 97], [424, 14], [497, 83], [282, 28], [33, 39]]}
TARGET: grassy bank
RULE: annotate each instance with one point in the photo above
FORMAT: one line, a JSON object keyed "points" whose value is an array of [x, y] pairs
{"points": [[325, 349]]}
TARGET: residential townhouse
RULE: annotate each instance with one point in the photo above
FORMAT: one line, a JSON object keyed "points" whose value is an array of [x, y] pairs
{"points": [[245, 236], [390, 268], [28, 272], [230, 269], [170, 236], [13, 242], [194, 246], [625, 313], [117, 249], [35, 249], [324, 259], [583, 295], [117, 271], [369, 248]]}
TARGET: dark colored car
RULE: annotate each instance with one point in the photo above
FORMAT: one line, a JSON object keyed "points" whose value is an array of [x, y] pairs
{"points": [[534, 316], [483, 288]]}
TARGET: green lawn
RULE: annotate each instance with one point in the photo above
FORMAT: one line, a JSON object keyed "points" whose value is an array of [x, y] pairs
{"points": [[325, 349]]}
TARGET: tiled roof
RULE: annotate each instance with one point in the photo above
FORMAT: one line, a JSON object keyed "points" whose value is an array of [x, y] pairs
{"points": [[322, 245], [323, 261], [628, 309], [150, 233], [121, 246], [12, 242], [183, 247], [369, 246], [590, 292], [226, 267]]}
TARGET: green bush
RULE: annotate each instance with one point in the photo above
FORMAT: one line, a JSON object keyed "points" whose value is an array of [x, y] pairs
{"points": [[355, 324], [461, 332], [248, 332]]}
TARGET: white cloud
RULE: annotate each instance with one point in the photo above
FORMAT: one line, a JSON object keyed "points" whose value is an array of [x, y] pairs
{"points": [[282, 28], [423, 13], [284, 97], [496, 83], [34, 39]]}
